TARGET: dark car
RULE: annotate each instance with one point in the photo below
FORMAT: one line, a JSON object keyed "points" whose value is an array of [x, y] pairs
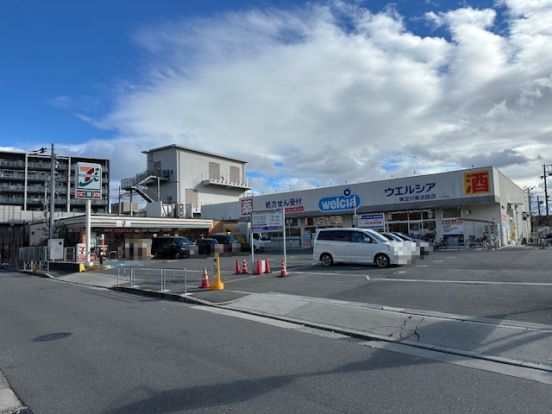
{"points": [[172, 247], [206, 246]]}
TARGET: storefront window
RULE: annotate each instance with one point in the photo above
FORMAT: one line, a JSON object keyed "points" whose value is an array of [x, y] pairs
{"points": [[452, 212], [415, 215], [429, 225], [428, 214], [398, 216]]}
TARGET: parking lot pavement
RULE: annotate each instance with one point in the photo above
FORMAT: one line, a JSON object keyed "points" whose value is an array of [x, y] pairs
{"points": [[503, 284]]}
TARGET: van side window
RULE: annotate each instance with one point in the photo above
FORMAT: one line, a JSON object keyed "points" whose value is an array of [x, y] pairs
{"points": [[361, 238], [338, 235]]}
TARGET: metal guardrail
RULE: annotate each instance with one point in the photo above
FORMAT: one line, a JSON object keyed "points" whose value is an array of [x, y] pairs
{"points": [[159, 280]]}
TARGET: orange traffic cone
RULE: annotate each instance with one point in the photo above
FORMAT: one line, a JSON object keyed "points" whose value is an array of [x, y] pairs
{"points": [[267, 266], [244, 267], [259, 270], [283, 271], [205, 279], [238, 270]]}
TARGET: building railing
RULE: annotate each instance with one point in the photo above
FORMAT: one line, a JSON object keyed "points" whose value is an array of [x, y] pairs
{"points": [[224, 181], [12, 164], [126, 183]]}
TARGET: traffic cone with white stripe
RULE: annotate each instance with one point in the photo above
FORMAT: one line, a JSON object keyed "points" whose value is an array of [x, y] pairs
{"points": [[283, 271], [244, 267], [267, 266], [259, 269], [205, 279], [238, 270]]}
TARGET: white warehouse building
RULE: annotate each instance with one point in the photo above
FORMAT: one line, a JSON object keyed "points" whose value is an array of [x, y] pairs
{"points": [[188, 178], [456, 206]]}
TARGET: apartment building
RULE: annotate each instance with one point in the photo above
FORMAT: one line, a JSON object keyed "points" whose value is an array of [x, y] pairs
{"points": [[25, 182]]}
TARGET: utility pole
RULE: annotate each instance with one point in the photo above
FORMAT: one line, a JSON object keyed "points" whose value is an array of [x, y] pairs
{"points": [[538, 205], [52, 191]]}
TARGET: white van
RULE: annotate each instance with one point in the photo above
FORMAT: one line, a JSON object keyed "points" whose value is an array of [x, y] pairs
{"points": [[261, 242], [354, 245]]}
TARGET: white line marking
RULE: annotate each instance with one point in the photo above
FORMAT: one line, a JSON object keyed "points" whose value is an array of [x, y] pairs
{"points": [[463, 282], [490, 366], [422, 265], [242, 278], [438, 261], [328, 273], [367, 277]]}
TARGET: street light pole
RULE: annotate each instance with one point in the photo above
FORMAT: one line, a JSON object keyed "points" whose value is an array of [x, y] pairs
{"points": [[52, 191]]}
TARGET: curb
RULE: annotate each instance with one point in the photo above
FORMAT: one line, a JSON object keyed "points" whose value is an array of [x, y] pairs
{"points": [[369, 336], [9, 403], [348, 332]]}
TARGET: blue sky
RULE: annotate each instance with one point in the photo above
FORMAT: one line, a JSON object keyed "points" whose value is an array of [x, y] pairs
{"points": [[283, 84]]}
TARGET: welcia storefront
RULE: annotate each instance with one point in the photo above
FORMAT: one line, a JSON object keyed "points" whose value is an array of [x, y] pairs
{"points": [[455, 206]]}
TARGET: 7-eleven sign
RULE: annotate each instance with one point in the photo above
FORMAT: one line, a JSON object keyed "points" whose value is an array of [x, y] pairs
{"points": [[88, 180]]}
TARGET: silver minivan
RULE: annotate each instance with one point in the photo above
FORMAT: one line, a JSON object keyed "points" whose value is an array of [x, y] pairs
{"points": [[354, 245]]}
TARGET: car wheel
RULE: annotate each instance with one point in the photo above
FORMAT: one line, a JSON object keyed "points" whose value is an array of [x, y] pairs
{"points": [[326, 259], [381, 260]]}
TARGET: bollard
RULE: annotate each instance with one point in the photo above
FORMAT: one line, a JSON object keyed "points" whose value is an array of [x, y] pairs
{"points": [[217, 284], [118, 275], [185, 280]]}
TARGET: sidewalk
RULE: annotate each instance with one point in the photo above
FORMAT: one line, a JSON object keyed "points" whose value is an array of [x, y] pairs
{"points": [[511, 342]]}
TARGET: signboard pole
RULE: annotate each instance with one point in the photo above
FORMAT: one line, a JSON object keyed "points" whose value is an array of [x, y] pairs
{"points": [[88, 230], [284, 238], [251, 239]]}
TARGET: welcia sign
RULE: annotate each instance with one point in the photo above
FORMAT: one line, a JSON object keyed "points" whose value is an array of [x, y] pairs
{"points": [[347, 201]]}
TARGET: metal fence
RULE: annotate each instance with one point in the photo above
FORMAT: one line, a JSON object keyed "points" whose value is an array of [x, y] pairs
{"points": [[158, 280]]}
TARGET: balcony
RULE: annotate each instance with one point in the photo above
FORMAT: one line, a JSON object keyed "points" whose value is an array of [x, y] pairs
{"points": [[12, 164], [226, 183], [12, 188], [12, 200]]}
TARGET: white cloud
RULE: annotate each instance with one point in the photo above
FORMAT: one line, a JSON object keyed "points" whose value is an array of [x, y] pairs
{"points": [[328, 94]]}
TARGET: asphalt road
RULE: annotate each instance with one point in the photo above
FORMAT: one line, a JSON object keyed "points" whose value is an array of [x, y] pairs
{"points": [[73, 349], [513, 283]]}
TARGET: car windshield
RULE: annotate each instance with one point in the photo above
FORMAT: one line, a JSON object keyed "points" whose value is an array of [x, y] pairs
{"points": [[376, 236], [182, 241], [403, 236], [393, 237]]}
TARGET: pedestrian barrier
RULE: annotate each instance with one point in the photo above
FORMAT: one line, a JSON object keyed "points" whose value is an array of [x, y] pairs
{"points": [[155, 279]]}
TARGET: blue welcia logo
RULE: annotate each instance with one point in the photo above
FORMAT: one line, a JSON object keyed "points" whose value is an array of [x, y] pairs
{"points": [[347, 201]]}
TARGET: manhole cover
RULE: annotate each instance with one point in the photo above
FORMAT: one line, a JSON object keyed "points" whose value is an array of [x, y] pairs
{"points": [[52, 337]]}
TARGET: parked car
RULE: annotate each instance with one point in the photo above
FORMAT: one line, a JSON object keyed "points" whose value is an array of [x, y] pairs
{"points": [[206, 246], [175, 247], [231, 242], [354, 245], [409, 246], [423, 246]]}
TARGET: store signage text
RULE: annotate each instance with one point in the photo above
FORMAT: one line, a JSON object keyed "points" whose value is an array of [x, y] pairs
{"points": [[246, 206], [412, 192], [347, 201], [292, 205], [88, 180], [477, 182], [266, 221], [371, 220]]}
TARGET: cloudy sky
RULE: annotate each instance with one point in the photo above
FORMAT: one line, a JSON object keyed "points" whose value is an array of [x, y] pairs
{"points": [[311, 94]]}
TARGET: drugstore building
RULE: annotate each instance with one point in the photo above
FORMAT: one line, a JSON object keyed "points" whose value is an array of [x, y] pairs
{"points": [[455, 206]]}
